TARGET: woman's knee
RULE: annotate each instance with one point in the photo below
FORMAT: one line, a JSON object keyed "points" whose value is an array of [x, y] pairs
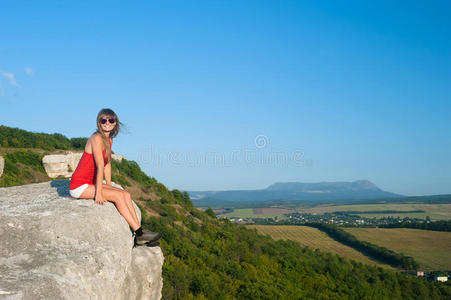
{"points": [[116, 197], [127, 196]]}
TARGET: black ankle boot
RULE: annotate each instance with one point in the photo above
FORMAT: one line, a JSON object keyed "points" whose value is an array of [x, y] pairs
{"points": [[147, 236]]}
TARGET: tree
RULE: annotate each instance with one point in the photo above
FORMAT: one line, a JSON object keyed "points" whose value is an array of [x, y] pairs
{"points": [[210, 212]]}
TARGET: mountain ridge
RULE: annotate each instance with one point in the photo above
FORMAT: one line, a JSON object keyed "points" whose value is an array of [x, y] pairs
{"points": [[298, 191], [294, 185]]}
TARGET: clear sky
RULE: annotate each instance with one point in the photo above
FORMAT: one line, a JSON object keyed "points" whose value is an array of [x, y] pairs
{"points": [[241, 94]]}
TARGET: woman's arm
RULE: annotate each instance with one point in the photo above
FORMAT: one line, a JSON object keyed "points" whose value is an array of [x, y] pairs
{"points": [[98, 158], [108, 173]]}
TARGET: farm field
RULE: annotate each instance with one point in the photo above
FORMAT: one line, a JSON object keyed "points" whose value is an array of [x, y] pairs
{"points": [[434, 211], [315, 239], [261, 212], [431, 249]]}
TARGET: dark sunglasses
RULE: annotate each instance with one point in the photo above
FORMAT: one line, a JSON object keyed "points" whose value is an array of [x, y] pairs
{"points": [[103, 121]]}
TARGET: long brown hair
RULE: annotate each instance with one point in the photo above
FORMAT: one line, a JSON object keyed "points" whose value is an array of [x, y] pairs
{"points": [[107, 112]]}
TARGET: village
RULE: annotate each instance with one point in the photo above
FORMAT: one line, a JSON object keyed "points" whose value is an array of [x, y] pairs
{"points": [[337, 218]]}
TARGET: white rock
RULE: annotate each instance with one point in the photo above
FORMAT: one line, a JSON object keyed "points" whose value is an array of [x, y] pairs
{"points": [[117, 157], [2, 164], [65, 164], [61, 164], [56, 247]]}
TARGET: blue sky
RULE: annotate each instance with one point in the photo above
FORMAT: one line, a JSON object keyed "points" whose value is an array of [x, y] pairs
{"points": [[241, 94]]}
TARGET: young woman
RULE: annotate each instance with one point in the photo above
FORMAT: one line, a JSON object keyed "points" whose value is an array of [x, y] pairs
{"points": [[95, 163]]}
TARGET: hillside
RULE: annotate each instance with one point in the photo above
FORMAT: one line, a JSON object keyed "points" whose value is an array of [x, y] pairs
{"points": [[207, 258]]}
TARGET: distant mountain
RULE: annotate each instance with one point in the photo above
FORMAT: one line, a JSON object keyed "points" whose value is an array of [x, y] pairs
{"points": [[295, 192], [323, 187]]}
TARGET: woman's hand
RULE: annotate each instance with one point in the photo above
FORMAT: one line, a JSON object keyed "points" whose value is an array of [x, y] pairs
{"points": [[99, 199]]}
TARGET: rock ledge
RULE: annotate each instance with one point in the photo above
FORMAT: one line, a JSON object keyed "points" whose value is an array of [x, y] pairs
{"points": [[56, 247]]}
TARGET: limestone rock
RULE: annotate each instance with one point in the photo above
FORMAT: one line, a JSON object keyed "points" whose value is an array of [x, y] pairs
{"points": [[61, 164], [2, 164], [117, 157], [141, 280], [56, 247], [65, 164]]}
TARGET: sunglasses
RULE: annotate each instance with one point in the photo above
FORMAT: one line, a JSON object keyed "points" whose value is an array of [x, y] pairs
{"points": [[111, 120]]}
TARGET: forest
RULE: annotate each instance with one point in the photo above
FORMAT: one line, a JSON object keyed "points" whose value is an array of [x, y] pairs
{"points": [[440, 225], [19, 138]]}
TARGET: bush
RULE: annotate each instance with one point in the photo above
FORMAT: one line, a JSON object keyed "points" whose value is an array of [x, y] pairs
{"points": [[18, 167], [210, 212]]}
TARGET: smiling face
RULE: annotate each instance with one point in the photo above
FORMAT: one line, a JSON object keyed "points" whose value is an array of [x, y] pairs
{"points": [[104, 126], [105, 123]]}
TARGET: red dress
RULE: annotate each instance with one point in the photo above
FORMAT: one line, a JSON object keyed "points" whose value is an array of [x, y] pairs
{"points": [[86, 171]]}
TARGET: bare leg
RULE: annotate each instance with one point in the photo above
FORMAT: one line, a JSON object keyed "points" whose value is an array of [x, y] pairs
{"points": [[130, 206], [118, 198], [128, 201]]}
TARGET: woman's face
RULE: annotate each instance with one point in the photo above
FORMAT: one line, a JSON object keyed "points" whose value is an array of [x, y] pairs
{"points": [[105, 123]]}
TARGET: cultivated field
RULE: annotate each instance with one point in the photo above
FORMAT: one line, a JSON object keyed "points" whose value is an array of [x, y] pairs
{"points": [[431, 249], [434, 211], [315, 239], [263, 212]]}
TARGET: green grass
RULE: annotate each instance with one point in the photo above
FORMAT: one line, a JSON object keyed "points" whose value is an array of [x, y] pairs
{"points": [[431, 249], [22, 167]]}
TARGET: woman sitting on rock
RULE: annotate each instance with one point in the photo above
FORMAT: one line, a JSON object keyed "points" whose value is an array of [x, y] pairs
{"points": [[87, 180]]}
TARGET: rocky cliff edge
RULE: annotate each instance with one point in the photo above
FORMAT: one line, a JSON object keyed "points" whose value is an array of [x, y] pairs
{"points": [[56, 247]]}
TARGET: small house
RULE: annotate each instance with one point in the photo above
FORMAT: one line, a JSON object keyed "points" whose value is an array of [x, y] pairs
{"points": [[441, 278]]}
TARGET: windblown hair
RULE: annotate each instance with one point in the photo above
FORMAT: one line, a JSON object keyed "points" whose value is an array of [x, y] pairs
{"points": [[109, 113]]}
